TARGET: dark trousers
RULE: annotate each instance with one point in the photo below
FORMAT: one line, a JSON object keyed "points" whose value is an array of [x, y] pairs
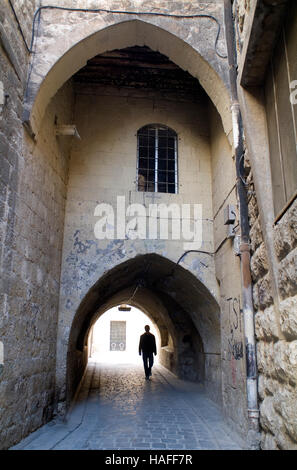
{"points": [[148, 361]]}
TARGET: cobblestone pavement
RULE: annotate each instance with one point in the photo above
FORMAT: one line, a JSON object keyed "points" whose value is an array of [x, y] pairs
{"points": [[118, 409]]}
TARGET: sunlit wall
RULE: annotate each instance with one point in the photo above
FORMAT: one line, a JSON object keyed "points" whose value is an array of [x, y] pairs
{"points": [[100, 336]]}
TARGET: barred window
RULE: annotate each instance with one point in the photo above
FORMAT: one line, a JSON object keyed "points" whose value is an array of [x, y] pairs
{"points": [[157, 159]]}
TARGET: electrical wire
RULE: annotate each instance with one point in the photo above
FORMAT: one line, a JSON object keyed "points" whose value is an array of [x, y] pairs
{"points": [[120, 12], [19, 26], [140, 283], [210, 253], [37, 16], [191, 251]]}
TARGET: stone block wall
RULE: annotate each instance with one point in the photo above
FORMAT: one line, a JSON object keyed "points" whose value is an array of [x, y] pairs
{"points": [[13, 67], [274, 273], [33, 177], [276, 329], [30, 275]]}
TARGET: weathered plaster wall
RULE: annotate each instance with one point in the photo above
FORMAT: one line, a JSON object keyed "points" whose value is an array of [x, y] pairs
{"points": [[103, 166], [227, 266]]}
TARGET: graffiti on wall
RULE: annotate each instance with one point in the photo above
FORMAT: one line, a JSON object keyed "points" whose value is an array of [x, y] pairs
{"points": [[235, 344]]}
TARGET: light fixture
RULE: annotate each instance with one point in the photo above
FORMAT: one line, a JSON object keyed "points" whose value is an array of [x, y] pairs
{"points": [[124, 308], [67, 129]]}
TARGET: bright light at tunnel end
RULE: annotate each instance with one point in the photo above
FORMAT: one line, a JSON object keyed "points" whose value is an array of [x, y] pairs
{"points": [[157, 221], [135, 321]]}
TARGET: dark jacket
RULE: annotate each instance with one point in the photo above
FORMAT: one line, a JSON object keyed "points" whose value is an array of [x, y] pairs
{"points": [[147, 343]]}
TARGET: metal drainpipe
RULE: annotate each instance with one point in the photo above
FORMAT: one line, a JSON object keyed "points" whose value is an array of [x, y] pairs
{"points": [[246, 280]]}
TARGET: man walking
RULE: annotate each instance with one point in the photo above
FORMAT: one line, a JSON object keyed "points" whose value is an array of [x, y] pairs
{"points": [[147, 345]]}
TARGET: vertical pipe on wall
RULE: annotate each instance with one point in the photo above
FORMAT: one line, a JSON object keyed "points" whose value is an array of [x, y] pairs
{"points": [[246, 280]]}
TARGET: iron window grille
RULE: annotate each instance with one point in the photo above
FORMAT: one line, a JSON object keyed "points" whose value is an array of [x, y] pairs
{"points": [[157, 159]]}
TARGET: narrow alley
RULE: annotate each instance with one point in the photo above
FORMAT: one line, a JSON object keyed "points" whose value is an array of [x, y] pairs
{"points": [[148, 166], [116, 408]]}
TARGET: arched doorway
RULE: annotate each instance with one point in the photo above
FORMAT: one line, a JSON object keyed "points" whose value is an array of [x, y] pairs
{"points": [[179, 305]]}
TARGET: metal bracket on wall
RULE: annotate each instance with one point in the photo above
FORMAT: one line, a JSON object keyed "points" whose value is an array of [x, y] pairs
{"points": [[229, 220], [236, 245], [67, 130]]}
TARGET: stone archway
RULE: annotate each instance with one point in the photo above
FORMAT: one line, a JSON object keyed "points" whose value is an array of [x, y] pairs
{"points": [[84, 260], [175, 301], [63, 61], [71, 54], [67, 258]]}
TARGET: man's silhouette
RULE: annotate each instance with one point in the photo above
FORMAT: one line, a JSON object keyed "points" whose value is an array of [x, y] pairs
{"points": [[147, 345]]}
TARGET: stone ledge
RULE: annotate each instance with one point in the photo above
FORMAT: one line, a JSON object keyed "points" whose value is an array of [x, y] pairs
{"points": [[261, 27]]}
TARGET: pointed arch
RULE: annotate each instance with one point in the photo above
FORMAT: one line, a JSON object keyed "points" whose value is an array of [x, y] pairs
{"points": [[48, 77], [174, 299]]}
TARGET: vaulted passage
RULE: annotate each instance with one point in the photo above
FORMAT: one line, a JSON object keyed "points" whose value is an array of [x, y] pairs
{"points": [[148, 138], [148, 159], [181, 308], [131, 137]]}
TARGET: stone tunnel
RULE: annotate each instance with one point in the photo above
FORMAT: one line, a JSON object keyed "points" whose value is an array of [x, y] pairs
{"points": [[180, 306]]}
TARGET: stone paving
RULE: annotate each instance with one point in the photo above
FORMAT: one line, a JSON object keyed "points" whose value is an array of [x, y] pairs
{"points": [[117, 408]]}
